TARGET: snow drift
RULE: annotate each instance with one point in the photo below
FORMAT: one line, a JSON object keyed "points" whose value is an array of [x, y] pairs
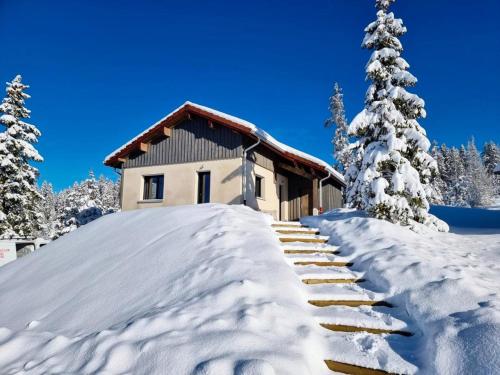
{"points": [[444, 285], [200, 290]]}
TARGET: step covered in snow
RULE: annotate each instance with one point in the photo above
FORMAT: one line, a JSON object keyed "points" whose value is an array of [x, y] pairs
{"points": [[370, 351], [362, 316], [340, 292]]}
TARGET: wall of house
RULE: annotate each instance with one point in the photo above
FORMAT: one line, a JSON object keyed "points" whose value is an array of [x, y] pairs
{"points": [[269, 202], [190, 141], [181, 183], [332, 195]]}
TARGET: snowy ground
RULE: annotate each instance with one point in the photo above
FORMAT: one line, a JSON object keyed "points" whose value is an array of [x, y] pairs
{"points": [[444, 285], [206, 290], [201, 290]]}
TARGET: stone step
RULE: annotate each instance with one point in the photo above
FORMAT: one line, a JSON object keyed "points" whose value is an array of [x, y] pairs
{"points": [[304, 239], [308, 251], [323, 263], [297, 231], [346, 368], [347, 328], [285, 224], [332, 281], [350, 303]]}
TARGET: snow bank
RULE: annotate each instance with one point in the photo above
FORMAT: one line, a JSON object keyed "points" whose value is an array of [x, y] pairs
{"points": [[200, 290], [444, 286]]}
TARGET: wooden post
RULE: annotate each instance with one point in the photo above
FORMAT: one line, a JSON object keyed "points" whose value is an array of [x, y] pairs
{"points": [[315, 201]]}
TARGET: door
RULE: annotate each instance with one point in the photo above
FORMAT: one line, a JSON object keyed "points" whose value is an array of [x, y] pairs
{"points": [[203, 187], [304, 202], [280, 196]]}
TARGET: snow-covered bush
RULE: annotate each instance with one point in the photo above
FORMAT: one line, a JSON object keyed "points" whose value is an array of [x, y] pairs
{"points": [[392, 170]]}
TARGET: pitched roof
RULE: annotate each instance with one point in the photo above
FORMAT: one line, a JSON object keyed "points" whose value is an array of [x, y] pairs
{"points": [[225, 119]]}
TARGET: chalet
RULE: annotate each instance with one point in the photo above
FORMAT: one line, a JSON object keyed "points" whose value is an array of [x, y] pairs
{"points": [[199, 155]]}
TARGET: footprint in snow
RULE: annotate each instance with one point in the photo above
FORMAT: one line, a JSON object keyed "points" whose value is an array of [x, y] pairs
{"points": [[254, 367]]}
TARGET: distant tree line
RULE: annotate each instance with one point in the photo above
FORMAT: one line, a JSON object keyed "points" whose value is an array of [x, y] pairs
{"points": [[466, 177], [27, 210], [77, 205]]}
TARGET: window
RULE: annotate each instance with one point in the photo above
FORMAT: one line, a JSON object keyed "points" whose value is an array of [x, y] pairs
{"points": [[203, 187], [153, 187], [259, 187]]}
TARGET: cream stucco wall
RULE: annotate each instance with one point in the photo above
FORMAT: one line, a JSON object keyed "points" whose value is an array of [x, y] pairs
{"points": [[181, 183], [270, 198]]}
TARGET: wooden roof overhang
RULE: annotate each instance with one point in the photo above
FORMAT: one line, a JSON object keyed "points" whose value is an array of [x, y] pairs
{"points": [[163, 128]]}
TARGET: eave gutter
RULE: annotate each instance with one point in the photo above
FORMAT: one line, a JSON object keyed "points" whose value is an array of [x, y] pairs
{"points": [[244, 169]]}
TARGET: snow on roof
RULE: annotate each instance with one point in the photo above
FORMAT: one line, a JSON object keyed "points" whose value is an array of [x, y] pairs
{"points": [[252, 128]]}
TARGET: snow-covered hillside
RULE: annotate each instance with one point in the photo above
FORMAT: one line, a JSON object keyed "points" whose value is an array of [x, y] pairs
{"points": [[206, 290], [445, 286], [186, 290]]}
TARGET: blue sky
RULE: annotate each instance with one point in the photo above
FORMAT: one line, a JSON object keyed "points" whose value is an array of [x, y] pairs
{"points": [[102, 71]]}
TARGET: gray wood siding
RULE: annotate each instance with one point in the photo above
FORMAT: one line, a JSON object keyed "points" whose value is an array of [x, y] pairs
{"points": [[262, 158], [332, 196], [192, 140], [297, 186]]}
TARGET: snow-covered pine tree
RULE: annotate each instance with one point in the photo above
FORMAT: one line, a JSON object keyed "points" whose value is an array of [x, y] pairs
{"points": [[19, 196], [456, 179], [480, 186], [438, 184], [491, 158], [47, 209], [109, 195], [393, 179], [340, 140]]}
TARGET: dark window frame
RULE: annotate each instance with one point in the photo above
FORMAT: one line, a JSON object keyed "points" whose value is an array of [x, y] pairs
{"points": [[259, 187], [203, 192], [149, 182]]}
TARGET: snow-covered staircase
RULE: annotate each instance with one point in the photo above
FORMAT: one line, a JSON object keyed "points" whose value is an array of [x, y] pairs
{"points": [[357, 321]]}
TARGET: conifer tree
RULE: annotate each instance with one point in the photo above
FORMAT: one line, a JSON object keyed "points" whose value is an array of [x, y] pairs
{"points": [[490, 156], [19, 196], [457, 182], [392, 181], [480, 187], [438, 184], [340, 140], [47, 209]]}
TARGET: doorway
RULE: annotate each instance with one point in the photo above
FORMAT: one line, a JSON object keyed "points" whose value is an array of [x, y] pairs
{"points": [[280, 198], [304, 202], [203, 187]]}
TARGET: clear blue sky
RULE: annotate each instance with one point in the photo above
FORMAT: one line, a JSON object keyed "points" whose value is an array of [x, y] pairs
{"points": [[102, 71]]}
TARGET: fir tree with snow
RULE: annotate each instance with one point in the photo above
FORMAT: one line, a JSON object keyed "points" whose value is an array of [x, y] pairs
{"points": [[491, 161], [438, 184], [456, 179], [480, 187], [19, 197], [392, 180], [490, 156], [337, 119], [48, 210]]}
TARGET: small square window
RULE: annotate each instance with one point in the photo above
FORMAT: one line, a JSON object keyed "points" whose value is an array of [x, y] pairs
{"points": [[153, 187], [259, 191]]}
